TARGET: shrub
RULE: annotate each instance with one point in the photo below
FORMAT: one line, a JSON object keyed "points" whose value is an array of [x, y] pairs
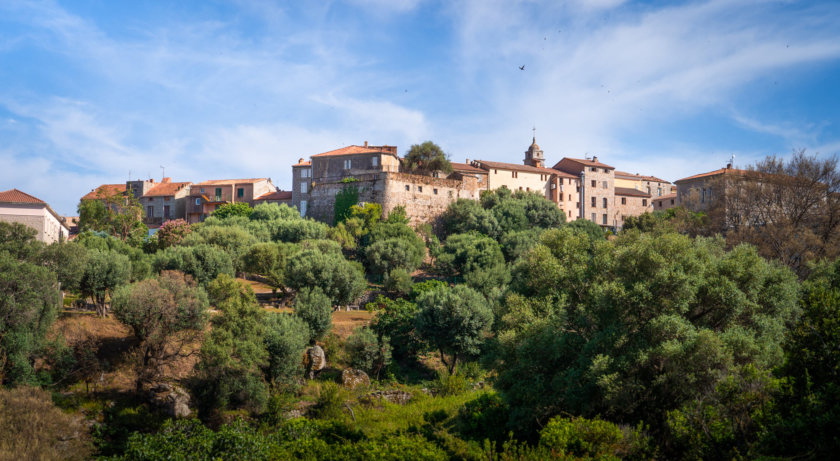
{"points": [[383, 256], [203, 262], [395, 319], [446, 384], [233, 209], [330, 401], [286, 337], [314, 307], [339, 279], [172, 232], [299, 229], [484, 418], [273, 211], [367, 351], [398, 281]]}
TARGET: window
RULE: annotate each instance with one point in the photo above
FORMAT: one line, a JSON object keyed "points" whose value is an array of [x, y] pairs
{"points": [[604, 218], [304, 187], [495, 171], [450, 194], [594, 170], [514, 174], [570, 197], [305, 173], [528, 189], [593, 218], [703, 196], [202, 190], [198, 201], [605, 184], [374, 161], [594, 204], [659, 192], [623, 200], [166, 211], [434, 191], [570, 213], [577, 188], [240, 192], [672, 201], [150, 211], [303, 207], [218, 194], [419, 188], [644, 202], [347, 164], [407, 187], [577, 205], [605, 202], [594, 182]]}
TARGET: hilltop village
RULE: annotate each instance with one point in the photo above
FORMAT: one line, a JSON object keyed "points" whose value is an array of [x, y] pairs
{"points": [[583, 188]]}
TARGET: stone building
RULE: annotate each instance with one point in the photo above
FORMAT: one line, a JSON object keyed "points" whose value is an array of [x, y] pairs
{"points": [[164, 201], [665, 202], [654, 186], [207, 196], [301, 185], [630, 202], [279, 197], [597, 188], [20, 207], [698, 192]]}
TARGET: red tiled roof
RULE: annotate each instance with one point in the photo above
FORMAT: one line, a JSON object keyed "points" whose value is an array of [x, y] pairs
{"points": [[713, 173], [276, 195], [466, 168], [229, 182], [666, 196], [525, 168], [17, 196], [586, 162], [630, 192], [640, 177], [350, 150], [166, 189], [304, 163], [104, 191]]}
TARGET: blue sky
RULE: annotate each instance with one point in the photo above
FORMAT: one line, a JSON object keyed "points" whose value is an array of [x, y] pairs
{"points": [[92, 90]]}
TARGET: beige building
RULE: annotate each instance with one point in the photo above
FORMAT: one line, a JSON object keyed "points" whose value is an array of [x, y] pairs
{"points": [[20, 207], [279, 197], [207, 196], [654, 186], [630, 202], [665, 202], [597, 184], [697, 192]]}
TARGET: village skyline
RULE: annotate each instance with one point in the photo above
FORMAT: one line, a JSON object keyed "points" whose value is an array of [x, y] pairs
{"points": [[92, 92]]}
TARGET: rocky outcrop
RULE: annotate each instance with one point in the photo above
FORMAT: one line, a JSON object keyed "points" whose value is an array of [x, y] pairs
{"points": [[394, 396], [352, 378], [316, 361], [172, 400]]}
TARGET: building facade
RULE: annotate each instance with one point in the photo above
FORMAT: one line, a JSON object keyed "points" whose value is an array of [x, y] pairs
{"points": [[597, 188], [166, 200], [20, 207], [207, 196]]}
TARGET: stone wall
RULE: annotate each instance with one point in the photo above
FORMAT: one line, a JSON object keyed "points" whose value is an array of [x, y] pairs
{"points": [[423, 197], [630, 205]]}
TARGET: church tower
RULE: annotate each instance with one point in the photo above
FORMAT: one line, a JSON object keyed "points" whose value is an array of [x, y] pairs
{"points": [[534, 155]]}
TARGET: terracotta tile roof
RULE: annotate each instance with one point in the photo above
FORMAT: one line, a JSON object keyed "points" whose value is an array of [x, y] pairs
{"points": [[166, 189], [466, 168], [104, 191], [304, 163], [666, 196], [351, 150], [230, 182], [520, 167], [631, 192], [626, 175], [713, 173], [17, 196], [587, 162], [276, 195]]}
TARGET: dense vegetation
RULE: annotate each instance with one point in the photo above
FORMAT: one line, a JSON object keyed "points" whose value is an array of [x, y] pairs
{"points": [[505, 333]]}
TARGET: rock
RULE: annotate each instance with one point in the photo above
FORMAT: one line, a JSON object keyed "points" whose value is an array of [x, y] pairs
{"points": [[173, 400], [316, 361], [394, 396], [352, 378]]}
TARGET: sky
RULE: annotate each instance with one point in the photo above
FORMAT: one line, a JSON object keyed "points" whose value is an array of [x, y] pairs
{"points": [[98, 91]]}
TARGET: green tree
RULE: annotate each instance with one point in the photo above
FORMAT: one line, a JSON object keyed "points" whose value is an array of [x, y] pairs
{"points": [[314, 307], [229, 371], [395, 319], [464, 215], [203, 262], [286, 337], [455, 321], [383, 256], [426, 158], [232, 239], [345, 200], [67, 261], [269, 260], [273, 211], [119, 214], [167, 315], [476, 259], [298, 230], [341, 280], [104, 272], [649, 322], [28, 307], [368, 351], [398, 281], [18, 240], [233, 209]]}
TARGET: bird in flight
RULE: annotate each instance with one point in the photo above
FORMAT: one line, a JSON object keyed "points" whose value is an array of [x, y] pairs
{"points": [[522, 67]]}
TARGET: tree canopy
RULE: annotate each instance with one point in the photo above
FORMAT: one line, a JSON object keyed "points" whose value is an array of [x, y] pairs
{"points": [[426, 158]]}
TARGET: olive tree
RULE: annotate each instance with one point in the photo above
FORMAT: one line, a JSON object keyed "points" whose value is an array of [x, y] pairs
{"points": [[341, 280], [104, 272]]}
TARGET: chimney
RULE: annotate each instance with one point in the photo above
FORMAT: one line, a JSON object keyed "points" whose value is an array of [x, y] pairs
{"points": [[166, 180], [467, 161], [365, 143], [300, 160], [728, 166], [594, 158]]}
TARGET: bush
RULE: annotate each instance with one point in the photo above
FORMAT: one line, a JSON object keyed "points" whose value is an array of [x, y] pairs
{"points": [[203, 262], [484, 418], [273, 211], [367, 351], [339, 279], [446, 384], [233, 209], [383, 256], [398, 281], [330, 401], [286, 337], [477, 259], [315, 309], [594, 438], [299, 229]]}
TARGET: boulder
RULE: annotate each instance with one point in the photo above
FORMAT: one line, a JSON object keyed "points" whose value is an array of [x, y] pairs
{"points": [[352, 378], [316, 361], [172, 400]]}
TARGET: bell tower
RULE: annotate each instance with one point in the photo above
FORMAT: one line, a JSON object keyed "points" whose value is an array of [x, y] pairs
{"points": [[534, 155]]}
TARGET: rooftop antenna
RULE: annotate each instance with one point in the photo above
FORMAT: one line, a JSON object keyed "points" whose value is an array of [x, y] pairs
{"points": [[162, 172], [129, 175], [732, 161], [534, 129]]}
